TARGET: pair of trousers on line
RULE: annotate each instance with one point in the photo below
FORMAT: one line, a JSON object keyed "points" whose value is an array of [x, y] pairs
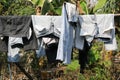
{"points": [[100, 27], [69, 33], [15, 44], [48, 27], [16, 26], [17, 29]]}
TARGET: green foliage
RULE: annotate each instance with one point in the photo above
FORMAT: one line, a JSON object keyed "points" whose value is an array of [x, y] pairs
{"points": [[100, 74], [99, 5], [3, 57], [84, 6], [57, 6], [81, 77], [2, 0], [1, 8], [25, 10], [117, 6], [99, 57], [105, 6], [99, 69], [95, 53], [17, 7], [38, 2], [47, 7], [118, 41], [73, 66]]}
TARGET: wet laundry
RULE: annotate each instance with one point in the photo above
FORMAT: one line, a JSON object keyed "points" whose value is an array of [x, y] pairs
{"points": [[68, 33], [47, 31], [15, 26], [13, 51], [45, 25], [3, 44], [99, 27]]}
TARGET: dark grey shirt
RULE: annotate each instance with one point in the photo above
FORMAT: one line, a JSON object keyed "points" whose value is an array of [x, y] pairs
{"points": [[4, 44], [15, 26]]}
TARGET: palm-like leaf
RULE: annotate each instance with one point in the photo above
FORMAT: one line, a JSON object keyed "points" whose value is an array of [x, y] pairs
{"points": [[37, 2], [3, 1], [99, 5]]}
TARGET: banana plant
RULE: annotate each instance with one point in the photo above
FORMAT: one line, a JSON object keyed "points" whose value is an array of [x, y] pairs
{"points": [[16, 7], [117, 6], [3, 1], [54, 6], [105, 6], [44, 4], [1, 8], [98, 7], [37, 2]]}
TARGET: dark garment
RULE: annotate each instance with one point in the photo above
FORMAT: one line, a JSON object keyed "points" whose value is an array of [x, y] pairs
{"points": [[4, 44], [30, 44], [51, 52], [83, 56], [15, 26]]}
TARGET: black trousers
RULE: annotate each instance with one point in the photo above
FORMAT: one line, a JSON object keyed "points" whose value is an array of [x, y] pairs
{"points": [[83, 56], [51, 52]]}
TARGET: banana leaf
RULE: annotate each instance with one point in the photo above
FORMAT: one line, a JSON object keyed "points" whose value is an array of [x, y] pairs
{"points": [[99, 5], [37, 2], [83, 4]]}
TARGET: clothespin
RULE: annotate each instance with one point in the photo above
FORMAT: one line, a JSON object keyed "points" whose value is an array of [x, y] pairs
{"points": [[116, 14]]}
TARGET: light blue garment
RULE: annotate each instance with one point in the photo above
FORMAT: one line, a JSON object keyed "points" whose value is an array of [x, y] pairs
{"points": [[45, 25], [66, 38], [88, 27], [101, 27], [42, 42], [41, 25], [78, 40], [105, 23], [57, 21], [71, 12], [13, 53], [41, 51], [112, 44]]}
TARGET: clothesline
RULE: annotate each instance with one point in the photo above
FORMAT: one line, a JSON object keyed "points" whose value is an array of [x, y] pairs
{"points": [[99, 14], [116, 14]]}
